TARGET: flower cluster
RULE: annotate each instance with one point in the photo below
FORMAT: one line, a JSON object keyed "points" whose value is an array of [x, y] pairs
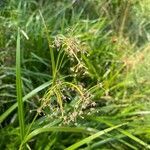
{"points": [[74, 49], [67, 102]]}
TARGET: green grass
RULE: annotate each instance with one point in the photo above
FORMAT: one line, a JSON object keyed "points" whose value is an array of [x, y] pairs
{"points": [[19, 88], [81, 75]]}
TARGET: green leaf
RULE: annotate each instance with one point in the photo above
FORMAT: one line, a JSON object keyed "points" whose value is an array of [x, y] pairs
{"points": [[26, 97], [128, 134], [19, 88], [55, 129], [92, 137]]}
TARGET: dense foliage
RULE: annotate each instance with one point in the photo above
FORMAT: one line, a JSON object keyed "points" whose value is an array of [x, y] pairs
{"points": [[74, 74]]}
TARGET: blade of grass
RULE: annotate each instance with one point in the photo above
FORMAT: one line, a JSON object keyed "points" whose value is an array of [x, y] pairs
{"points": [[19, 88], [54, 129], [128, 144], [123, 132], [26, 97], [92, 137]]}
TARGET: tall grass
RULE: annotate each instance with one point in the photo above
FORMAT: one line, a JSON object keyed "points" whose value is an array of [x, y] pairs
{"points": [[81, 75], [19, 88]]}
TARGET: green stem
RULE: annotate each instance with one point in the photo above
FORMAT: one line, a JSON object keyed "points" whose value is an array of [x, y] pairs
{"points": [[51, 51]]}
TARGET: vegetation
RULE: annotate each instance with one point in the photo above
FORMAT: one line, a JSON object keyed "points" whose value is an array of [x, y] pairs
{"points": [[81, 75]]}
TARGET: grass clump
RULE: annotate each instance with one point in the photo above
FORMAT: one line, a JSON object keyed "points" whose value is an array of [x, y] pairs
{"points": [[81, 74]]}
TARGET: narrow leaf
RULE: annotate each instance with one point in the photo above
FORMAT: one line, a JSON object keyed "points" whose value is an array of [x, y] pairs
{"points": [[92, 137]]}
